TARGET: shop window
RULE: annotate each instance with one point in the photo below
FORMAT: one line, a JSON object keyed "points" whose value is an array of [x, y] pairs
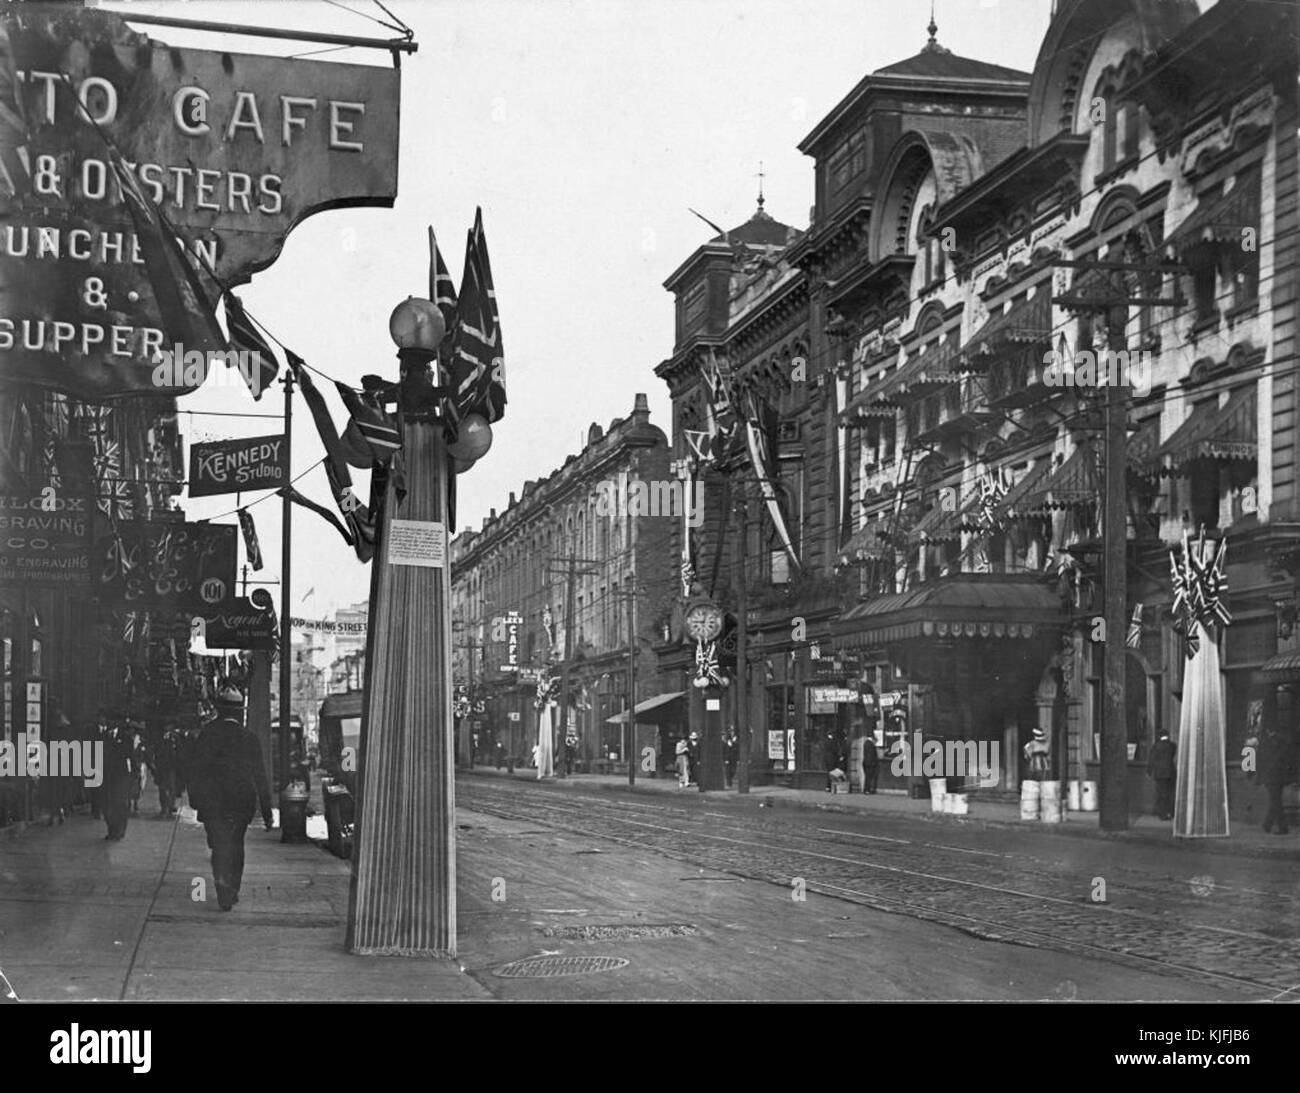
{"points": [[1203, 291]]}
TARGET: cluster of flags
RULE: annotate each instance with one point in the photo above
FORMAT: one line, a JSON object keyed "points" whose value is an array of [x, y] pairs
{"points": [[472, 363], [1199, 584]]}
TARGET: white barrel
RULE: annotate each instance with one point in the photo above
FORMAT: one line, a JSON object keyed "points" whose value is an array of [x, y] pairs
{"points": [[1075, 791], [1088, 797], [957, 804], [1050, 803], [938, 791], [1029, 796]]}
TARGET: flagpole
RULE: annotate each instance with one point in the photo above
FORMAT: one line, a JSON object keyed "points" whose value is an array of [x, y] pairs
{"points": [[286, 564]]}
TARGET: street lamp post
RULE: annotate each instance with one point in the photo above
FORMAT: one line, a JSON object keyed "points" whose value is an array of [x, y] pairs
{"points": [[403, 894]]}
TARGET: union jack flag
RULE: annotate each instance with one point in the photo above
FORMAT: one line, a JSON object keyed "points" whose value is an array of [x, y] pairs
{"points": [[477, 365]]}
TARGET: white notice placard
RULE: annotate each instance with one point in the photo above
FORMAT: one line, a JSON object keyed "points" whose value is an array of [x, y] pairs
{"points": [[417, 542]]}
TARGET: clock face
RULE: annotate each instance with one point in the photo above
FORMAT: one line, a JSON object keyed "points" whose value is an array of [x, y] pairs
{"points": [[704, 622]]}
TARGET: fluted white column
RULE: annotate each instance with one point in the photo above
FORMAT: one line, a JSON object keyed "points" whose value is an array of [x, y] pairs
{"points": [[403, 898]]}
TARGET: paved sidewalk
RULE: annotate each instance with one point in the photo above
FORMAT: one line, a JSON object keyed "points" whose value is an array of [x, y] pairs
{"points": [[82, 918], [1245, 838]]}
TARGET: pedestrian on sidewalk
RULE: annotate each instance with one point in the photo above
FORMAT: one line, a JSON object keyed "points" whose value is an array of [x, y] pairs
{"points": [[683, 763], [730, 755], [1273, 770], [121, 773], [870, 764], [693, 777], [227, 785], [135, 729], [162, 769], [98, 736], [1038, 757], [1162, 769]]}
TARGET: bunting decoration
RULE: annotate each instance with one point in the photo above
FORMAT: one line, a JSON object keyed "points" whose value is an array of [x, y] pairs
{"points": [[360, 522], [548, 625], [186, 312], [760, 433], [263, 365], [993, 487], [251, 546], [320, 510], [548, 692], [688, 576], [374, 426]]}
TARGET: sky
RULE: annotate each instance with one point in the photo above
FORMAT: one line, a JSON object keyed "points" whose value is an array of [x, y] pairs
{"points": [[585, 129]]}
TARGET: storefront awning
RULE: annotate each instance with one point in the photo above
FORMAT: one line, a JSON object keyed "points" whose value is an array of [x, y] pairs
{"points": [[864, 545], [927, 371], [646, 705], [1283, 668], [1027, 322], [967, 606], [1221, 433], [1220, 218], [945, 525], [1046, 488]]}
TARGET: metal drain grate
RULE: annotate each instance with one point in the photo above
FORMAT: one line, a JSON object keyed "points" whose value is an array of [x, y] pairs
{"points": [[615, 932], [547, 967]]}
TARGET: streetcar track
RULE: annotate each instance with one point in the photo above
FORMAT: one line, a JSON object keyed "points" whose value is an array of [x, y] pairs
{"points": [[542, 807]]}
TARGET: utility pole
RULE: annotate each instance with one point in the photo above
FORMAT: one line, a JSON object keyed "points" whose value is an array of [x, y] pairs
{"points": [[570, 574], [631, 688], [744, 743], [1114, 303], [286, 565]]}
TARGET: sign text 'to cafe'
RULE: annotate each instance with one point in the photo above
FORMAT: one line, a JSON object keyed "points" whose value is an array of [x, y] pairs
{"points": [[234, 149]]}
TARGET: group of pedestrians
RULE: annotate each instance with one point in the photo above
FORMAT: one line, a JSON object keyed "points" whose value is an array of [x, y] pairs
{"points": [[219, 767]]}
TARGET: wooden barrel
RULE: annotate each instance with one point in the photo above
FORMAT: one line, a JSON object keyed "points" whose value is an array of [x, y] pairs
{"points": [[1029, 799]]}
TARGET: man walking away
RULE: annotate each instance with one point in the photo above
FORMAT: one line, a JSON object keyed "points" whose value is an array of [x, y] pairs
{"points": [[227, 784], [1163, 771], [98, 736], [121, 773], [162, 768], [1272, 771]]}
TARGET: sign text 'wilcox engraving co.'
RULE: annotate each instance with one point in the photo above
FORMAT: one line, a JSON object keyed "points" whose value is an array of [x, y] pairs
{"points": [[235, 150]]}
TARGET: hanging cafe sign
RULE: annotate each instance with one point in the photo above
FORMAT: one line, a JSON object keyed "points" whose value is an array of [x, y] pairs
{"points": [[235, 150]]}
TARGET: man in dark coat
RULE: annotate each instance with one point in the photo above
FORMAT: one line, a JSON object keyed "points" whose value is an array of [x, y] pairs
{"points": [[121, 774], [227, 784], [1273, 770], [870, 764], [1162, 769], [162, 768]]}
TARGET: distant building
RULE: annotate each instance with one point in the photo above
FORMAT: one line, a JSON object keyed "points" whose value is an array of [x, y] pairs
{"points": [[545, 585]]}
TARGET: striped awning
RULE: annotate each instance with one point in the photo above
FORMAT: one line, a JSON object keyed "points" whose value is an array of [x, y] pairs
{"points": [[1224, 433], [1046, 488], [1220, 218], [1027, 322], [864, 545], [945, 525], [1282, 668], [927, 371]]}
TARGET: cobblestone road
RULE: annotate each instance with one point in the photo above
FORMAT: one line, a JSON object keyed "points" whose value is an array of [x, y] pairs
{"points": [[1235, 925]]}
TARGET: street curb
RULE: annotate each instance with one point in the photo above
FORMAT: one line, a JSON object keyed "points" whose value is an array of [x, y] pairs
{"points": [[1213, 846]]}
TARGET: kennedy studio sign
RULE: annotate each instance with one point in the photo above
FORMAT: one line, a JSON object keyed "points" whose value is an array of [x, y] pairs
{"points": [[235, 149]]}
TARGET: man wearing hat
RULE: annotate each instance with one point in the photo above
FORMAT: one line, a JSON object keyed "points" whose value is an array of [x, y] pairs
{"points": [[1163, 770], [227, 784], [1038, 756], [121, 772]]}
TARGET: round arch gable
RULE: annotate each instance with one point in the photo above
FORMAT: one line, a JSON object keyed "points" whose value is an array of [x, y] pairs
{"points": [[1070, 44]]}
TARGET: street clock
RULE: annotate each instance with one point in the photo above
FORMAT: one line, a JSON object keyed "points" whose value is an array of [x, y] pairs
{"points": [[704, 621]]}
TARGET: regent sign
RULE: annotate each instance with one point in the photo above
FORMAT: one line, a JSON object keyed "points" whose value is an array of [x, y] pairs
{"points": [[235, 149]]}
